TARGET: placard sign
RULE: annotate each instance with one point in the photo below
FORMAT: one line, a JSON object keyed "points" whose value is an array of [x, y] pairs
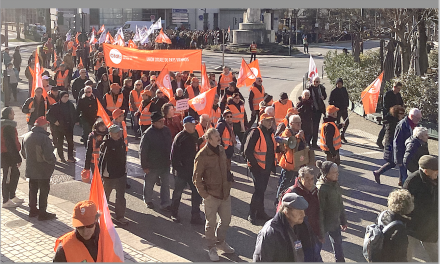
{"points": [[182, 105]]}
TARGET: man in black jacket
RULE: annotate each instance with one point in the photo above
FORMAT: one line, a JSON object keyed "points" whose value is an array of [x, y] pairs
{"points": [[34, 107], [154, 153], [112, 165], [317, 95], [339, 98], [79, 83], [178, 82], [423, 227], [183, 153], [87, 109], [63, 116]]}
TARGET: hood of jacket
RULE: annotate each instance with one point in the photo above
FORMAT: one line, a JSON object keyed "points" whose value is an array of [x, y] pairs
{"points": [[390, 119], [322, 181], [7, 122]]}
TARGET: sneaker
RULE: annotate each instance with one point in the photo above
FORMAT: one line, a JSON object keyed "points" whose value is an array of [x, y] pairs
{"points": [[197, 221], [122, 221], [213, 256], [9, 204], [150, 205], [376, 177], [225, 248], [17, 200], [175, 218], [46, 216], [34, 213], [166, 208]]}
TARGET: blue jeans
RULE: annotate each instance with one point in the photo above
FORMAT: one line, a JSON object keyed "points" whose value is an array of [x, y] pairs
{"points": [[336, 240], [150, 180], [196, 199], [287, 179], [403, 174]]}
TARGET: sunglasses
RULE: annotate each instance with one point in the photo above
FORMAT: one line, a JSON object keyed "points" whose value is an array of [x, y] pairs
{"points": [[87, 226]]}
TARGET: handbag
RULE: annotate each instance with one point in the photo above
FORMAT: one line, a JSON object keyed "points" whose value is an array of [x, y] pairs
{"points": [[305, 157]]}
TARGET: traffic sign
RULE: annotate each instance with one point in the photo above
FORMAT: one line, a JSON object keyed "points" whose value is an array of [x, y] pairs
{"points": [[201, 17], [180, 10]]}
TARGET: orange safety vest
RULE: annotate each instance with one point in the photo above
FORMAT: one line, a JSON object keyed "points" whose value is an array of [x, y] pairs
{"points": [[261, 149], [287, 160], [225, 80], [145, 117], [69, 45], [74, 249], [28, 115], [281, 110], [201, 132], [215, 115], [97, 65], [51, 100], [137, 99], [258, 96], [226, 138], [74, 50], [61, 78], [254, 48], [111, 106], [237, 115], [3, 146], [190, 92], [336, 137]]}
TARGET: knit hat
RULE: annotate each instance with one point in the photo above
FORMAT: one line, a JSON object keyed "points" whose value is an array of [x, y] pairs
{"points": [[340, 80], [156, 116], [84, 213], [5, 112], [324, 166], [41, 121], [114, 129], [63, 93], [428, 162], [283, 96]]}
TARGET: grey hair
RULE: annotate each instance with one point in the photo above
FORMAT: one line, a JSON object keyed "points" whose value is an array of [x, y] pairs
{"points": [[414, 112], [179, 89], [270, 109], [210, 132], [303, 94], [305, 170], [401, 201], [418, 131], [203, 116], [316, 78], [292, 117]]}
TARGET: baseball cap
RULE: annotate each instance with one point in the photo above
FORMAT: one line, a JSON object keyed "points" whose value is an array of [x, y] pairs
{"points": [[45, 77], [114, 129], [41, 121], [147, 92], [293, 111], [428, 162], [266, 116], [84, 213], [332, 109], [117, 112], [189, 119], [295, 201], [227, 111]]}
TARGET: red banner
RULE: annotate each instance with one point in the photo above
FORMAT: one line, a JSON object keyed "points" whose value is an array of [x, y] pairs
{"points": [[152, 60], [371, 94]]}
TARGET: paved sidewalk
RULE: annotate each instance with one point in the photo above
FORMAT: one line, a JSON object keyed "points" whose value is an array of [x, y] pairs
{"points": [[26, 239]]}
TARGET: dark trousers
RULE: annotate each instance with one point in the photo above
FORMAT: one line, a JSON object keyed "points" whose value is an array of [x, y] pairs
{"points": [[315, 129], [403, 173], [336, 159], [86, 62], [13, 90], [87, 128], [60, 134], [10, 182], [118, 185], [381, 135], [387, 166], [134, 122], [254, 118], [44, 187], [336, 240], [59, 51], [196, 199], [306, 48], [261, 179], [253, 55], [30, 88], [287, 179], [344, 114], [237, 131], [74, 61]]}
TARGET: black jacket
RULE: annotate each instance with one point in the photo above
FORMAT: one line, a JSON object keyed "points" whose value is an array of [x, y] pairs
{"points": [[415, 149], [174, 85], [250, 144], [183, 153], [339, 98], [12, 155], [276, 240], [314, 96], [57, 113], [157, 103], [126, 92], [155, 148], [424, 217], [87, 108], [390, 123], [40, 109], [77, 85], [251, 95], [391, 99], [89, 149], [112, 158], [395, 242]]}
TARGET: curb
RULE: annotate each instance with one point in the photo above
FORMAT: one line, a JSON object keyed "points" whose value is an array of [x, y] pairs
{"points": [[126, 237], [24, 45], [294, 94]]}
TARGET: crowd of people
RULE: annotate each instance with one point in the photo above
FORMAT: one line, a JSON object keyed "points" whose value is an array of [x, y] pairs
{"points": [[198, 149]]}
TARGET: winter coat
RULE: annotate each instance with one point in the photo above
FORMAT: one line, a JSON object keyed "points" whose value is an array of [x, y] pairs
{"points": [[37, 149], [126, 92], [87, 108], [112, 158], [390, 123], [155, 148], [40, 110], [424, 217], [314, 96], [414, 149], [276, 241], [174, 85], [211, 173], [395, 244], [56, 113], [10, 138], [17, 59], [183, 153], [68, 61], [339, 98], [103, 88], [332, 212], [13, 75], [157, 103], [305, 110], [89, 149], [6, 58], [402, 133], [77, 85], [391, 99], [174, 124]]}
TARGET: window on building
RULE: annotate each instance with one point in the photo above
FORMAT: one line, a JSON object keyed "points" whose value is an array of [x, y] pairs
{"points": [[94, 16], [215, 20]]}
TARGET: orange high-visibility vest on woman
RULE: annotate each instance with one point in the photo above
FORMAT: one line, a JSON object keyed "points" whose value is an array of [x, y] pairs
{"points": [[74, 250], [287, 161], [145, 117], [281, 111], [261, 149], [237, 115], [225, 80], [215, 115], [111, 106], [137, 99], [258, 96], [336, 137], [61, 78], [226, 138]]}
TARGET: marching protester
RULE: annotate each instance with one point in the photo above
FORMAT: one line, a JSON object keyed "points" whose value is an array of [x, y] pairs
{"points": [[201, 128], [224, 79], [103, 85], [215, 113], [37, 149], [211, 180], [115, 76], [229, 93], [126, 89], [228, 141], [10, 158], [416, 147], [145, 80], [256, 96], [305, 109], [178, 82], [113, 100], [34, 107], [135, 100], [239, 118], [94, 141], [285, 122], [267, 101], [153, 85], [317, 96], [87, 109], [79, 83], [63, 78], [144, 112], [172, 121], [158, 101], [281, 106], [339, 98], [76, 74], [330, 135]]}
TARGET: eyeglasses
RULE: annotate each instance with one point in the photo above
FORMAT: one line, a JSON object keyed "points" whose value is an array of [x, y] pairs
{"points": [[87, 226]]}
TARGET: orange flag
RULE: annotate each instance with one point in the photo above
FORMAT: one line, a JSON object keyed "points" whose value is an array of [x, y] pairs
{"points": [[131, 44], [120, 41], [76, 38], [80, 61], [109, 243], [255, 72], [203, 102], [371, 94], [244, 74], [109, 38], [164, 83], [37, 78], [205, 81], [101, 29], [162, 38], [103, 114], [55, 57]]}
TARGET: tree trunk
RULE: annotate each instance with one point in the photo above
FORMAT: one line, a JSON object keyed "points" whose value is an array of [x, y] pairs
{"points": [[17, 22], [423, 53], [356, 47], [406, 56]]}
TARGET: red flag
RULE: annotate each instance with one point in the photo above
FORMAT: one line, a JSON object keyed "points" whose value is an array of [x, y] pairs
{"points": [[80, 61], [37, 78], [203, 102], [101, 29], [164, 83], [371, 94], [162, 38], [131, 44], [255, 72], [110, 246], [205, 80], [103, 114]]}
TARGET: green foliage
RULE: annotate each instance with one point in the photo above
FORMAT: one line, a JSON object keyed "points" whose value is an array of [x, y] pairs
{"points": [[433, 58]]}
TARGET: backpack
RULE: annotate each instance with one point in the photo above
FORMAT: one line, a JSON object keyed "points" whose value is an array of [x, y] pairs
{"points": [[374, 239]]}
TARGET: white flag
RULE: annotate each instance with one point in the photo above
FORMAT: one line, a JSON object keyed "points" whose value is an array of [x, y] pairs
{"points": [[136, 35], [313, 71], [147, 34], [102, 37], [92, 38], [119, 32], [157, 24], [68, 36]]}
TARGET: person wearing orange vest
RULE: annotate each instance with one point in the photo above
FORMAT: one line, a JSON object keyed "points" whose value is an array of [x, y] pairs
{"points": [[215, 113], [135, 100], [53, 96], [118, 119], [256, 96], [94, 141], [144, 112], [113, 100], [281, 106], [285, 123], [330, 141], [74, 49], [260, 152], [228, 140], [223, 81], [229, 92], [202, 127], [34, 107], [62, 78], [253, 50], [267, 101], [81, 244], [236, 106], [192, 91]]}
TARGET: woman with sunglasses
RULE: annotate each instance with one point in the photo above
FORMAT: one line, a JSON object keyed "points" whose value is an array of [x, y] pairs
{"points": [[317, 95]]}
